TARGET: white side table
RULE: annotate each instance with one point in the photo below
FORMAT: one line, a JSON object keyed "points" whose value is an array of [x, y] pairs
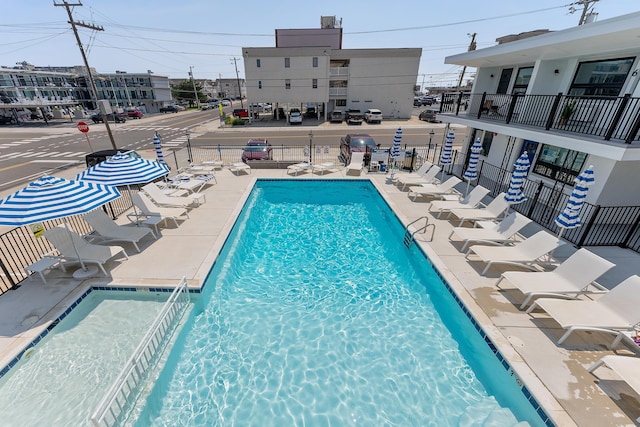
{"points": [[43, 264], [153, 222], [199, 198]]}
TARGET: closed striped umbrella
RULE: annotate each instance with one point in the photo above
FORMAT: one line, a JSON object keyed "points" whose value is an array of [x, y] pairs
{"points": [[157, 144], [395, 149], [122, 169], [472, 169], [52, 198], [447, 151], [515, 195], [570, 216]]}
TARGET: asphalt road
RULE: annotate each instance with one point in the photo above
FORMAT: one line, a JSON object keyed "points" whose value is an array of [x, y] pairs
{"points": [[26, 154]]}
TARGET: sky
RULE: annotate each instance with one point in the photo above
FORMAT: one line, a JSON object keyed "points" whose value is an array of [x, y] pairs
{"points": [[169, 37]]}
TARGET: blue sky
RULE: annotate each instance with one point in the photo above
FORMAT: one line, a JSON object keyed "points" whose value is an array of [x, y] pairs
{"points": [[168, 37]]}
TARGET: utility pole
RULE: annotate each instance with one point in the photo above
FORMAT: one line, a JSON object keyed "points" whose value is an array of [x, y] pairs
{"points": [[195, 92], [92, 83], [472, 46], [238, 79], [587, 9]]}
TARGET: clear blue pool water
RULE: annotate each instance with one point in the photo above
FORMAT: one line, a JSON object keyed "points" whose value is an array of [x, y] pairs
{"points": [[61, 380], [315, 314]]}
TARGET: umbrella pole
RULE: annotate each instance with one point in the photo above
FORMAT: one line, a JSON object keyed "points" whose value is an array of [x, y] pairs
{"points": [[66, 225], [135, 211]]}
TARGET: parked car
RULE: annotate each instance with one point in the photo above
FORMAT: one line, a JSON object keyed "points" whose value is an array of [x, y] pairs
{"points": [[205, 106], [336, 116], [169, 109], [134, 113], [257, 149], [112, 117], [429, 116], [295, 117], [354, 116], [373, 115], [311, 112], [240, 112], [356, 143], [6, 120]]}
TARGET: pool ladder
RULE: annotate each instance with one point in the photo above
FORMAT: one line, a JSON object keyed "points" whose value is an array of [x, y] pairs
{"points": [[408, 234]]}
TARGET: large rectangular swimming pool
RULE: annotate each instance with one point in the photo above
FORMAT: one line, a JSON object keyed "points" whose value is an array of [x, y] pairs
{"points": [[316, 314]]}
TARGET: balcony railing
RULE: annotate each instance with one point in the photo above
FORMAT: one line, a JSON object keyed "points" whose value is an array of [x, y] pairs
{"points": [[339, 72], [607, 117], [337, 91]]}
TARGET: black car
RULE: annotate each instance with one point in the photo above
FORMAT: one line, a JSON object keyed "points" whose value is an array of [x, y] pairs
{"points": [[429, 116], [356, 143], [112, 117], [169, 109]]}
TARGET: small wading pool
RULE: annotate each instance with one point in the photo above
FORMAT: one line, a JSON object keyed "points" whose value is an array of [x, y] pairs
{"points": [[316, 314], [61, 380]]}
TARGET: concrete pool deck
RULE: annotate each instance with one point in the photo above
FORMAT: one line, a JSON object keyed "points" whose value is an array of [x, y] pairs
{"points": [[556, 375]]}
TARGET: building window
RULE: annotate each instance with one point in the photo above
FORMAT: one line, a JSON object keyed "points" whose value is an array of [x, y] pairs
{"points": [[559, 164], [341, 102], [314, 83], [522, 80], [287, 62], [487, 139], [505, 79], [604, 78], [315, 62], [257, 63], [259, 84], [287, 84]]}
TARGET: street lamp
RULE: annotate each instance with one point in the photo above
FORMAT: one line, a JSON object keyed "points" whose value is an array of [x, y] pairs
{"points": [[310, 142], [431, 133]]}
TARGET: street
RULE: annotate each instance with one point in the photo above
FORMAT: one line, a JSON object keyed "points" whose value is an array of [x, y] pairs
{"points": [[27, 153]]}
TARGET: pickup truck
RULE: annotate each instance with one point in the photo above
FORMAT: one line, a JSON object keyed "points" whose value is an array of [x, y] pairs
{"points": [[354, 116]]}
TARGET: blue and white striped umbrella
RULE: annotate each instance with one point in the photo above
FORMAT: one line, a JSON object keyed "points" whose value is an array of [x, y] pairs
{"points": [[397, 140], [515, 195], [122, 169], [447, 151], [157, 144], [570, 216], [472, 169], [52, 198]]}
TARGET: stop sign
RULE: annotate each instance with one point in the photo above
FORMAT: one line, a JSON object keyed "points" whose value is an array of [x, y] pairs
{"points": [[83, 127]]}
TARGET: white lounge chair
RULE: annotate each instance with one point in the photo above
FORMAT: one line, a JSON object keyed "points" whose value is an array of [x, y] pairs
{"points": [[429, 177], [297, 168], [324, 167], [238, 167], [70, 244], [570, 279], [162, 199], [148, 210], [492, 233], [421, 171], [492, 211], [109, 231], [357, 162], [615, 311], [434, 190], [472, 200], [626, 367], [204, 168], [523, 254]]}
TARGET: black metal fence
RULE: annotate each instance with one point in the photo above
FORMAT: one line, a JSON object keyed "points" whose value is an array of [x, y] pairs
{"points": [[612, 118]]}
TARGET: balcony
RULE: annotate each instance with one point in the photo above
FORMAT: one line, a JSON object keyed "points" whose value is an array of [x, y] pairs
{"points": [[338, 72], [335, 92], [615, 119]]}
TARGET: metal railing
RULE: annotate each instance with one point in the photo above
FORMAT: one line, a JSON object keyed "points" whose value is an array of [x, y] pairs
{"points": [[118, 400], [612, 118]]}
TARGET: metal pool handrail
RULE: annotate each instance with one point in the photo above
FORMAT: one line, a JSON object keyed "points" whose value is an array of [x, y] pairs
{"points": [[116, 402]]}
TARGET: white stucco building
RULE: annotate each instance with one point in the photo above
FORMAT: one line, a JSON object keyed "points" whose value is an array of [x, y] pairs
{"points": [[570, 98], [309, 66]]}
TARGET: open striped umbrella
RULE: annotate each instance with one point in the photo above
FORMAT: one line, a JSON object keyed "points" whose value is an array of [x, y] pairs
{"points": [[447, 151], [52, 198], [471, 173], [515, 195], [395, 149], [570, 216], [122, 169], [157, 144]]}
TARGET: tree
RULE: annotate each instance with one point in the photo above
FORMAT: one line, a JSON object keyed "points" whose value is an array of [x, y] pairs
{"points": [[183, 91]]}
